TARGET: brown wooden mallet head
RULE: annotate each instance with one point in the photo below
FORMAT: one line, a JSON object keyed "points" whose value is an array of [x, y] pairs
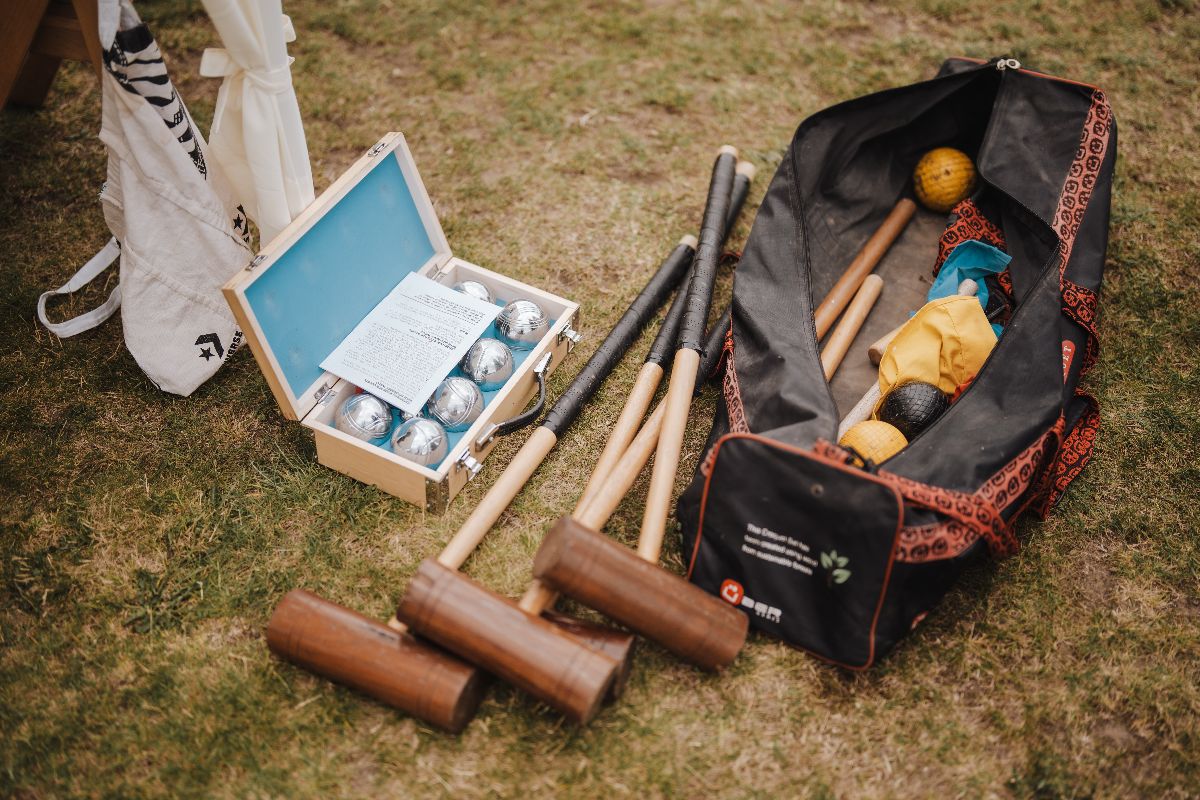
{"points": [[612, 642], [600, 573], [393, 667], [487, 629]]}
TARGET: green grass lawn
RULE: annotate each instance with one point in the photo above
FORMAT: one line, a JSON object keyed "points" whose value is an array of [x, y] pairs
{"points": [[146, 537]]}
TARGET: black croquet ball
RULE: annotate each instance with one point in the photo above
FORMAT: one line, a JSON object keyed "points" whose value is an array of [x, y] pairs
{"points": [[912, 407]]}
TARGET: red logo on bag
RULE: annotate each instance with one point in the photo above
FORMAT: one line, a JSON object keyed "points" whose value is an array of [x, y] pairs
{"points": [[1068, 355], [732, 592]]}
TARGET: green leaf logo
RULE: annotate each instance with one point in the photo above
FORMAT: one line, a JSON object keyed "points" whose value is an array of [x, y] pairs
{"points": [[837, 565]]}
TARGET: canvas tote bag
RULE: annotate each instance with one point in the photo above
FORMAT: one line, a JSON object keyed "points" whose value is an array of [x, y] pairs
{"points": [[177, 231]]}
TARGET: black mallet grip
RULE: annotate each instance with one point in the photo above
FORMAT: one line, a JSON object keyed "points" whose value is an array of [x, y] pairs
{"points": [[708, 252], [620, 338], [663, 347], [713, 347]]}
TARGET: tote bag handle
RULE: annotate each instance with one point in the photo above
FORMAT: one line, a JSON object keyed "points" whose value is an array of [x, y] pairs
{"points": [[88, 319]]}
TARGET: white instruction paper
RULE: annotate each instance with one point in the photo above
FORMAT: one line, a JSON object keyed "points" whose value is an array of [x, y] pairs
{"points": [[411, 341]]}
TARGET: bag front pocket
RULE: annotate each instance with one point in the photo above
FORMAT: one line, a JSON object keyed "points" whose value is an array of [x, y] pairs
{"points": [[803, 544]]}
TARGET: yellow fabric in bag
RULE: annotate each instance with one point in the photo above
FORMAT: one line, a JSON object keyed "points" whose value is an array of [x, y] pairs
{"points": [[945, 343]]}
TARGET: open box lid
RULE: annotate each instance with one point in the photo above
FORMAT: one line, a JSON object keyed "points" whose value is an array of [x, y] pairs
{"points": [[306, 290]]}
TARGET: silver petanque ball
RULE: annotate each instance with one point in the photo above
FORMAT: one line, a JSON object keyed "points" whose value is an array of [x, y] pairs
{"points": [[364, 416], [421, 441], [489, 363], [456, 403], [522, 324], [475, 289]]}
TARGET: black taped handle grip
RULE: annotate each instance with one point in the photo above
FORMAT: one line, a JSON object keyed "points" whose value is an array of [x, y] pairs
{"points": [[714, 348], [619, 340], [662, 349], [708, 253], [737, 199]]}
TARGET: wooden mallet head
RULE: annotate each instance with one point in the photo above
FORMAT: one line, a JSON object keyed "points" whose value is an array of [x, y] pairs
{"points": [[602, 574], [364, 654], [478, 624]]}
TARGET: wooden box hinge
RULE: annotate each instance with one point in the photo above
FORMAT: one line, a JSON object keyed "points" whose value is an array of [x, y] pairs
{"points": [[323, 394]]}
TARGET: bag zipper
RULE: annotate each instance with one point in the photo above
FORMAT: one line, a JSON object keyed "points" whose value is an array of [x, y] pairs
{"points": [[1012, 63]]}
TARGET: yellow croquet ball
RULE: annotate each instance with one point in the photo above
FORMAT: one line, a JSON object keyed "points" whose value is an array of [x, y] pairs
{"points": [[873, 439], [943, 177]]}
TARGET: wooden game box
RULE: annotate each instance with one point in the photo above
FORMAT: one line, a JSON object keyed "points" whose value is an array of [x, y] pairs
{"points": [[310, 286]]}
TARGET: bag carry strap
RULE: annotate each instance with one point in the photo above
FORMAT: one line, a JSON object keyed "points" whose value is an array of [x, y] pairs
{"points": [[976, 515], [88, 272]]}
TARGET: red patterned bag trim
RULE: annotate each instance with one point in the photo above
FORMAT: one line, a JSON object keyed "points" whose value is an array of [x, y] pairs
{"points": [[1024, 476], [1004, 281], [726, 353], [1075, 454], [1081, 178], [969, 223], [970, 517], [733, 395], [972, 511], [941, 540], [1081, 305], [733, 401]]}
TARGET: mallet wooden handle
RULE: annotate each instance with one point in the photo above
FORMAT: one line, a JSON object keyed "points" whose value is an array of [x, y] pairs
{"points": [[567, 407], [862, 265], [862, 410], [538, 598], [711, 632], [852, 321], [666, 457], [596, 513], [626, 426], [498, 497]]}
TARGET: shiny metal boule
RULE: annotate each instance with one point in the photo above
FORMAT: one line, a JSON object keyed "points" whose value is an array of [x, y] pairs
{"points": [[489, 363], [475, 289], [421, 441], [522, 324], [364, 416], [456, 403]]}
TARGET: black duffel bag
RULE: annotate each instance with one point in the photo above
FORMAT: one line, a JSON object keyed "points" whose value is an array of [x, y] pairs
{"points": [[842, 560]]}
